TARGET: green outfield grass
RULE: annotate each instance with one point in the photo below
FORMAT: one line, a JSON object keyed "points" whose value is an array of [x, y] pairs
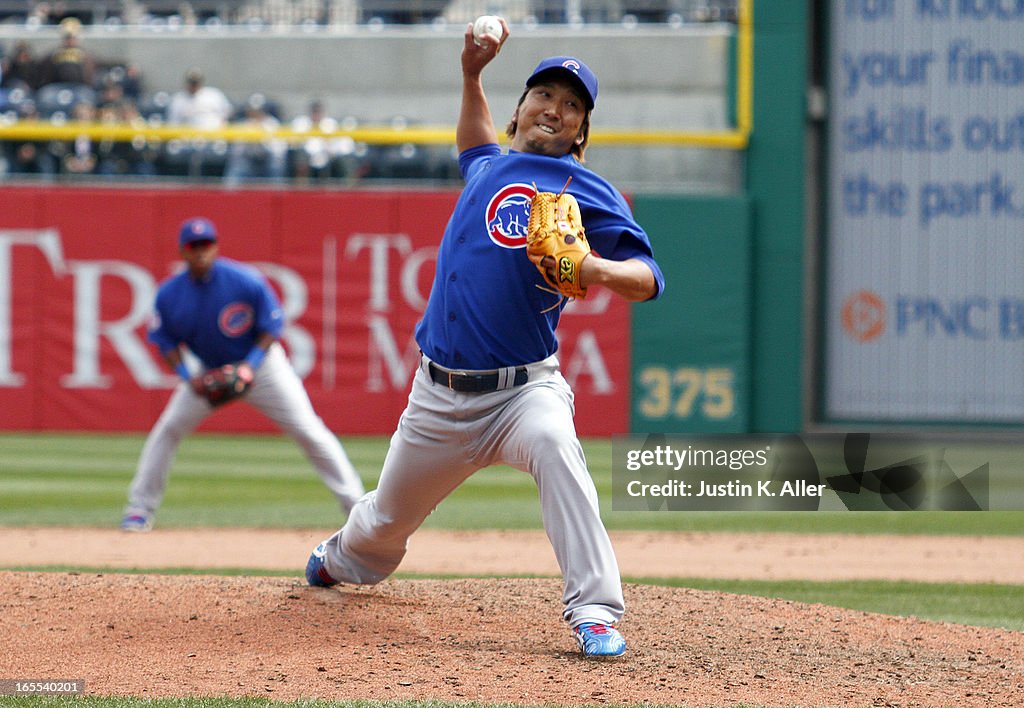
{"points": [[981, 605], [264, 481]]}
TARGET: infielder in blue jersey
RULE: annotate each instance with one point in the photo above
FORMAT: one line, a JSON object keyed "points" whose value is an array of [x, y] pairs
{"points": [[225, 312], [488, 389]]}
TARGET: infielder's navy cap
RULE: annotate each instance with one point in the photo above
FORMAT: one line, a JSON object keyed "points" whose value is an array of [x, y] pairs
{"points": [[571, 68], [197, 229]]}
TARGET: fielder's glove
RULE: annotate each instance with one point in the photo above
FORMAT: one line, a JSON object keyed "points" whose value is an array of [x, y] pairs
{"points": [[223, 385], [556, 230]]}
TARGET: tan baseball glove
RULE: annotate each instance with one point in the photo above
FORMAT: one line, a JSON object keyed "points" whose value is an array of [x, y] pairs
{"points": [[556, 230]]}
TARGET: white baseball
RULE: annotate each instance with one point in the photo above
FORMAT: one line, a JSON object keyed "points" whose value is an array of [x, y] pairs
{"points": [[487, 25]]}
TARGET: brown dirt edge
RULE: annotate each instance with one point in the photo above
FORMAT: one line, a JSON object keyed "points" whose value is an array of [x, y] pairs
{"points": [[768, 556], [484, 639]]}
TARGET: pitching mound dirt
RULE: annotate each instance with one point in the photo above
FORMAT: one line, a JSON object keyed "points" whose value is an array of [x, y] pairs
{"points": [[491, 640]]}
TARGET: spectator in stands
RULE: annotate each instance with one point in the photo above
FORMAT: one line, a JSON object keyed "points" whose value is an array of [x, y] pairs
{"points": [[69, 63], [111, 154], [20, 68], [42, 14], [80, 155], [265, 161], [199, 106], [120, 82], [123, 79], [318, 156], [110, 91], [145, 153], [30, 157]]}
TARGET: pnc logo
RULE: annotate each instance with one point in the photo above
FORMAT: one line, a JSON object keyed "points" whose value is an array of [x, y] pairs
{"points": [[863, 316], [508, 215]]}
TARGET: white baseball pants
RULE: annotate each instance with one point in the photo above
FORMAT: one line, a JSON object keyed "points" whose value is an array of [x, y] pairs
{"points": [[442, 438], [278, 392]]}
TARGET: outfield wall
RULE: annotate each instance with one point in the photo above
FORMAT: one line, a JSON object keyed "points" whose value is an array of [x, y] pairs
{"points": [[79, 270], [692, 347]]}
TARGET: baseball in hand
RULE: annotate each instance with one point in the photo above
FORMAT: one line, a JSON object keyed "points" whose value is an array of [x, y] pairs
{"points": [[487, 25]]}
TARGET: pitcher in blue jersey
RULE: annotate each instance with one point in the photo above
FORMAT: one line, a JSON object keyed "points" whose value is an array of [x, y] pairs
{"points": [[488, 389], [225, 312]]}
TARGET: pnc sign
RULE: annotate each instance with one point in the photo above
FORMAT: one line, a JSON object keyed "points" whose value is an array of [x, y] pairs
{"points": [[865, 316]]}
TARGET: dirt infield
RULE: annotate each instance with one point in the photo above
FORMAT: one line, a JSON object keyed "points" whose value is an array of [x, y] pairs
{"points": [[496, 639], [767, 556]]}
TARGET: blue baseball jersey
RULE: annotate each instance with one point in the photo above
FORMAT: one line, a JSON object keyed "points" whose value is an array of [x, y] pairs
{"points": [[220, 317], [485, 310]]}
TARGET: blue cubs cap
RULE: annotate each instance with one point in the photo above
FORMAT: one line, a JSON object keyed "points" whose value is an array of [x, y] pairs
{"points": [[571, 68], [197, 229]]}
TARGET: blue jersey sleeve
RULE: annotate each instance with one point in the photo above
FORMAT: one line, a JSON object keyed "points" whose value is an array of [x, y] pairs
{"points": [[269, 314], [659, 277], [613, 232], [159, 334], [630, 245], [470, 161]]}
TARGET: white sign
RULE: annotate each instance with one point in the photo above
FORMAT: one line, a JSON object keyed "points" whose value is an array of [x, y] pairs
{"points": [[925, 264]]}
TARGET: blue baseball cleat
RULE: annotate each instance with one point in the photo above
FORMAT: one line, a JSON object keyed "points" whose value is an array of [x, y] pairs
{"points": [[315, 573], [137, 522], [597, 639]]}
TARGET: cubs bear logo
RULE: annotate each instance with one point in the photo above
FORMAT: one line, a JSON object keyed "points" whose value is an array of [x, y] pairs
{"points": [[235, 319], [508, 215]]}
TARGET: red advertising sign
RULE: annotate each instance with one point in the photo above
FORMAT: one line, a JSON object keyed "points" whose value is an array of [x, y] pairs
{"points": [[79, 269]]}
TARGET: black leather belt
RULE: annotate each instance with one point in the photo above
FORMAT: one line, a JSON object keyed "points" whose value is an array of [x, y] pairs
{"points": [[476, 382]]}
